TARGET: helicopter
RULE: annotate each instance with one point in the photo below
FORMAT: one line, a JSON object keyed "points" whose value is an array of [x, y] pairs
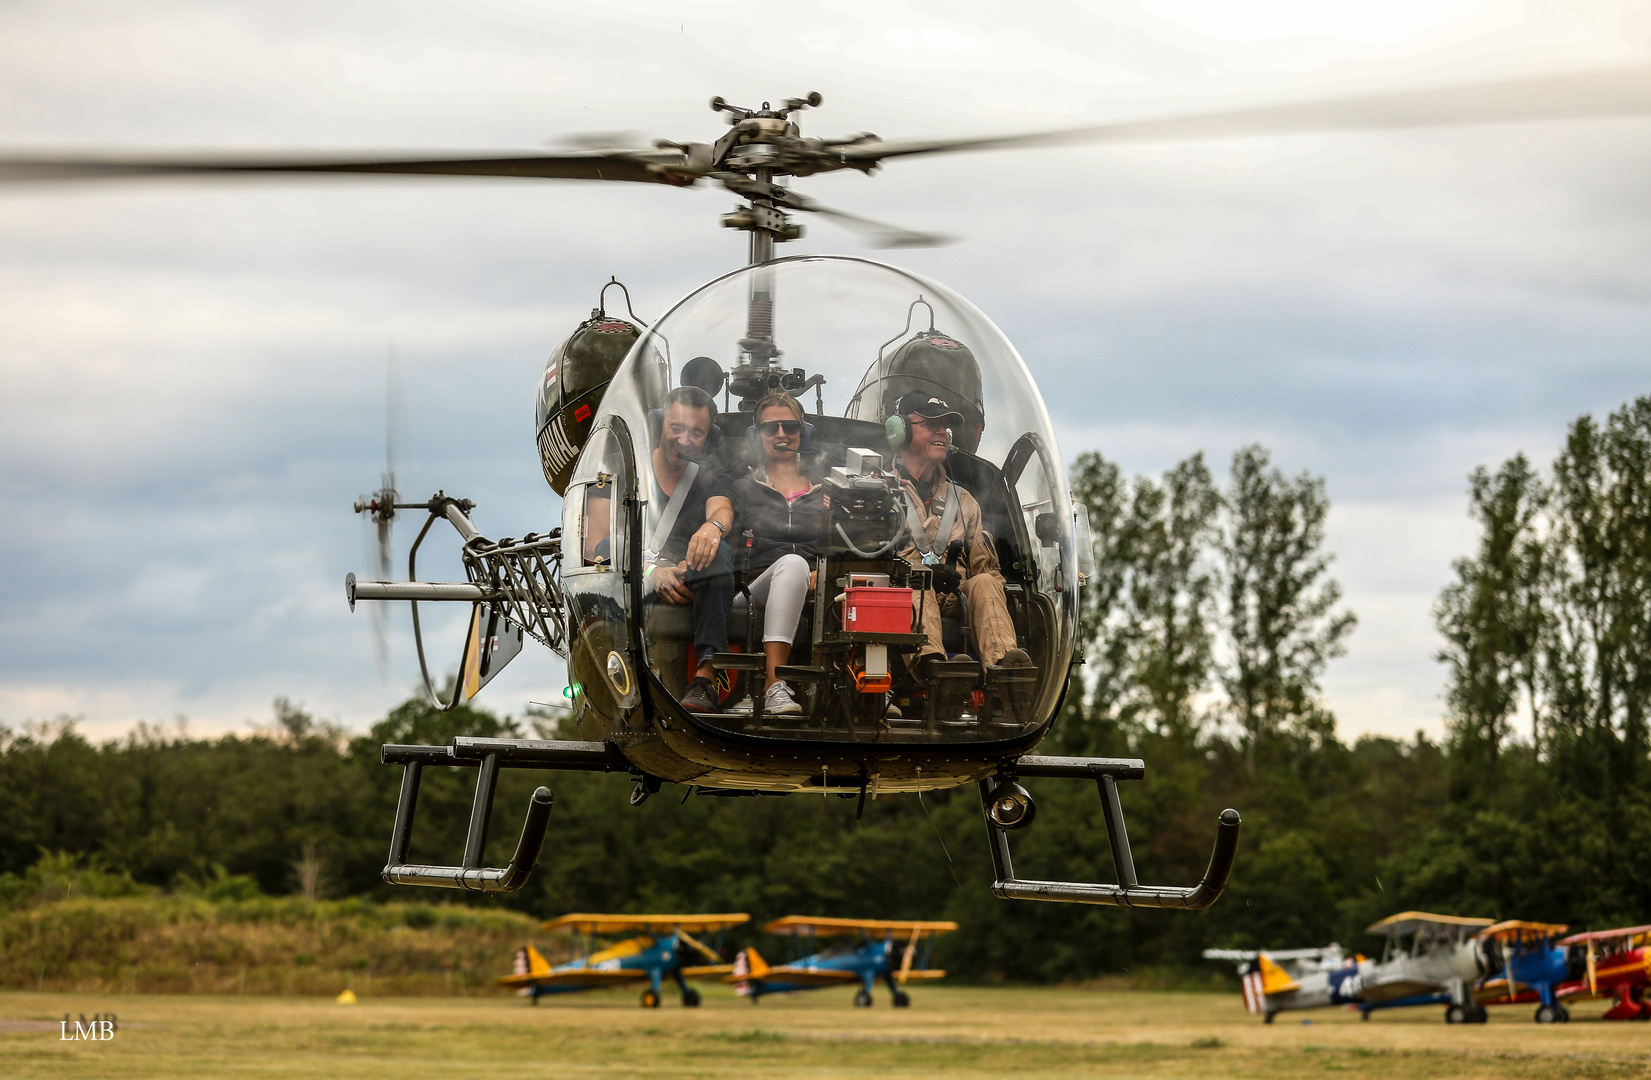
{"points": [[864, 333]]}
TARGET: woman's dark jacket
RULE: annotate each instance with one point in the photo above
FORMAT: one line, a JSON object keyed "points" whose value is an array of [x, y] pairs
{"points": [[777, 528]]}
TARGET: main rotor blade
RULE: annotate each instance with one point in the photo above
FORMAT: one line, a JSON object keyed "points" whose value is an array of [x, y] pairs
{"points": [[1571, 96], [877, 233], [651, 166]]}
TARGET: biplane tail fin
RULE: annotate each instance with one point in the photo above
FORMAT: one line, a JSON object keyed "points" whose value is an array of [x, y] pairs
{"points": [[1263, 980], [1274, 979], [755, 967], [530, 965]]}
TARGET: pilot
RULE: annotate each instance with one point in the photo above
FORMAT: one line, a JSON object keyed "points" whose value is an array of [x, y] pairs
{"points": [[687, 560], [780, 505], [963, 557]]}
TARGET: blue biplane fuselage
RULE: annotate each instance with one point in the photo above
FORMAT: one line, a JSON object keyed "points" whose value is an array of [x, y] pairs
{"points": [[869, 961], [656, 958]]}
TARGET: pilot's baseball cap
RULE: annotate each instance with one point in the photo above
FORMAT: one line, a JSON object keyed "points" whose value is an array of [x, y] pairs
{"points": [[925, 404]]}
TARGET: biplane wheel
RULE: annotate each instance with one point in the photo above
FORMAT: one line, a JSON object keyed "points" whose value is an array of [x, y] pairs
{"points": [[690, 998], [1480, 1015], [901, 999], [1267, 1018], [862, 1000], [1564, 1014], [1547, 1014], [1456, 1014], [1364, 1014], [650, 1000]]}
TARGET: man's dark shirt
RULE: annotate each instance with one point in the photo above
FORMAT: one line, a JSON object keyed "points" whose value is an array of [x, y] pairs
{"points": [[710, 481], [924, 488]]}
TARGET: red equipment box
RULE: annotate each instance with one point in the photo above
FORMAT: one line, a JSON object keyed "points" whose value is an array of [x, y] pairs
{"points": [[870, 610]]}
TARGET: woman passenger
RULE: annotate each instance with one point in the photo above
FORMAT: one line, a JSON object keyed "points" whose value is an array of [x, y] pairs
{"points": [[781, 506]]}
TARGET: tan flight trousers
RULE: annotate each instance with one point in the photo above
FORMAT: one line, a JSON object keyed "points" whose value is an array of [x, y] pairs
{"points": [[993, 633]]}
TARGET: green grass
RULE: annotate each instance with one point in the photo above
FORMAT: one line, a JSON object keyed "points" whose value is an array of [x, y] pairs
{"points": [[259, 945], [960, 1033]]}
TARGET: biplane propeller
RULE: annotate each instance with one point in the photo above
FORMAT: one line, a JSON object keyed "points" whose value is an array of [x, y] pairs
{"points": [[582, 590]]}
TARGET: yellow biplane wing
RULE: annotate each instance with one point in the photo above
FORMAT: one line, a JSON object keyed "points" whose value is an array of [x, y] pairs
{"points": [[824, 927], [758, 970], [1411, 922], [1516, 930], [650, 924], [583, 977]]}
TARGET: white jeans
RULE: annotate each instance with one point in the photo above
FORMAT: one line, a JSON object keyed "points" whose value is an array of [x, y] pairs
{"points": [[781, 590]]}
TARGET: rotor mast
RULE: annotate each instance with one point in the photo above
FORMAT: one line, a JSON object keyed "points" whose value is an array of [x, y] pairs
{"points": [[752, 159]]}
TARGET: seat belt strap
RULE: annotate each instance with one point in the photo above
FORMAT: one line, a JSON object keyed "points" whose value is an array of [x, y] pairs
{"points": [[673, 510], [943, 534]]}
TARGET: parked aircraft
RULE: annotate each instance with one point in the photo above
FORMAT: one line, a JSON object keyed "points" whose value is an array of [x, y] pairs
{"points": [[1616, 963], [657, 953], [1427, 960], [893, 950], [1288, 965], [1524, 963]]}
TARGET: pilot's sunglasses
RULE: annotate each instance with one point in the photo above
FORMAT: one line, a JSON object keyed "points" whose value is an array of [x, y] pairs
{"points": [[774, 427]]}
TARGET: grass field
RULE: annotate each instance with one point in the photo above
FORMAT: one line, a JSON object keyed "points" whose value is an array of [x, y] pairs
{"points": [[959, 1032]]}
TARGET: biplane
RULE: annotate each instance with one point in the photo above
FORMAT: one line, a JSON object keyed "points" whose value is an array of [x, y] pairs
{"points": [[661, 948], [1524, 963], [1427, 960], [894, 950], [1259, 968], [1616, 963]]}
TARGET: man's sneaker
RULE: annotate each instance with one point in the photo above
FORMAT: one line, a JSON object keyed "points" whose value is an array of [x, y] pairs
{"points": [[779, 702], [891, 711], [1016, 658], [701, 697]]}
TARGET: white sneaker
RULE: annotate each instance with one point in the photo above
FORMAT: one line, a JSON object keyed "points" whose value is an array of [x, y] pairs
{"points": [[779, 702]]}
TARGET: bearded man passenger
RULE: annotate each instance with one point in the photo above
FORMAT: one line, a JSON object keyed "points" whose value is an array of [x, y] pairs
{"points": [[687, 560]]}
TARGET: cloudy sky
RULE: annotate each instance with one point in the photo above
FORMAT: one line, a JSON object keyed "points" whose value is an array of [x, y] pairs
{"points": [[192, 376]]}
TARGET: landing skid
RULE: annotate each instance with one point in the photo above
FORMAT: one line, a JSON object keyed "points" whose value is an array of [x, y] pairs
{"points": [[1007, 806]]}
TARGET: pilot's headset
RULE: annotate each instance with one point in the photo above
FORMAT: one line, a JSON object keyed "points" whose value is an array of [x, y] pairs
{"points": [[753, 440], [923, 403], [694, 398]]}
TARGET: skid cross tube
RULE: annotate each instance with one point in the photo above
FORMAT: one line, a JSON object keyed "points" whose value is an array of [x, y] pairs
{"points": [[488, 756], [1128, 892]]}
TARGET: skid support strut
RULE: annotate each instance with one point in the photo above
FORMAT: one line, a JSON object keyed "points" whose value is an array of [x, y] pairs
{"points": [[1128, 892], [486, 756]]}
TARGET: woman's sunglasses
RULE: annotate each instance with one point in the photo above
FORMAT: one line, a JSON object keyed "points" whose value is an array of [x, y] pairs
{"points": [[774, 427]]}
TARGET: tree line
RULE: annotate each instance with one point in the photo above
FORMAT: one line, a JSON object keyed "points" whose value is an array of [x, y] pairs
{"points": [[1206, 628]]}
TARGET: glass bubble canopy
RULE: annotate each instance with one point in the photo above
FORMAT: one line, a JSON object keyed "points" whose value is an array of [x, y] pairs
{"points": [[846, 337]]}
